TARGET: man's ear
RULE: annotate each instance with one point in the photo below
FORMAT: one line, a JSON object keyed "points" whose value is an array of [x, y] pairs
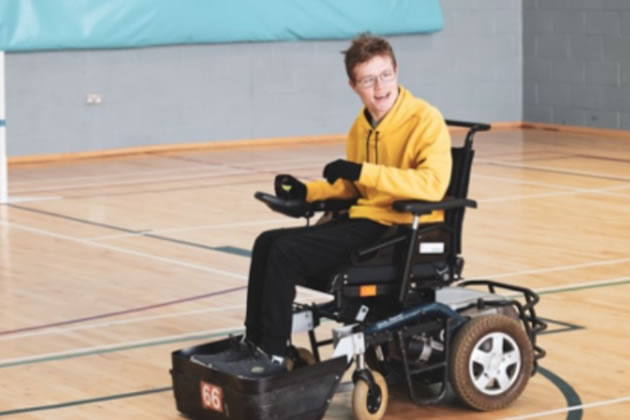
{"points": [[352, 85]]}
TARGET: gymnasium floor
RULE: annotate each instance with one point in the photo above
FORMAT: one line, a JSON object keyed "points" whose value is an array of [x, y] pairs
{"points": [[108, 265]]}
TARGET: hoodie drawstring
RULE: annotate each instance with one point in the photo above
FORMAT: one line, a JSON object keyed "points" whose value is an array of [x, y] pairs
{"points": [[367, 146]]}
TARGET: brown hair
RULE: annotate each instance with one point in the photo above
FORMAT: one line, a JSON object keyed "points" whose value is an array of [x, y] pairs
{"points": [[363, 49]]}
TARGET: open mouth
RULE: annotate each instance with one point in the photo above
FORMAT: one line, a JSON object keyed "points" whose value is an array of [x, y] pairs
{"points": [[382, 97]]}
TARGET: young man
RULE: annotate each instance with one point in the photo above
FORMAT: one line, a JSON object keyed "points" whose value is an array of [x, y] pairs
{"points": [[398, 148]]}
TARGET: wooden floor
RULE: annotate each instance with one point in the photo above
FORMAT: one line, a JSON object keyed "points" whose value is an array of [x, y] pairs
{"points": [[108, 265]]}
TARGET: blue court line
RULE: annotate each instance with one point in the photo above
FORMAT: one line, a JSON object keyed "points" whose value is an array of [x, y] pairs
{"points": [[76, 219], [227, 249], [3, 123]]}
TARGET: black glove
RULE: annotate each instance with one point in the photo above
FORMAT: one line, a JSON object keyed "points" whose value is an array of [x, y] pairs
{"points": [[287, 186], [342, 169]]}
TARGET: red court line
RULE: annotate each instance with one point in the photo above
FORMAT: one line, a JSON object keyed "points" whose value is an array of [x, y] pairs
{"points": [[123, 312]]}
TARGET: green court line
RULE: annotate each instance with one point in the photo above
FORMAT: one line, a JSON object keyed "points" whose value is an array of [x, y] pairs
{"points": [[574, 288], [588, 286], [568, 392], [83, 402], [572, 397], [116, 349], [554, 171], [178, 340], [567, 326], [227, 249], [234, 250]]}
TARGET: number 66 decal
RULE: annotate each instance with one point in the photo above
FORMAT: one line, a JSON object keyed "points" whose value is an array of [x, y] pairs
{"points": [[211, 397]]}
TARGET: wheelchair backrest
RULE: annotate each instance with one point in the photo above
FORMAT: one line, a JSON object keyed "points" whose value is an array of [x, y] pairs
{"points": [[460, 179]]}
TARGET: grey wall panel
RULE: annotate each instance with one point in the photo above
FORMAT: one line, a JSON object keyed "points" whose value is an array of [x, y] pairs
{"points": [[473, 69], [576, 60]]}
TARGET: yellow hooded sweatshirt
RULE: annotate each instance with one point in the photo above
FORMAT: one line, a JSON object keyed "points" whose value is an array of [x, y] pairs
{"points": [[406, 157]]}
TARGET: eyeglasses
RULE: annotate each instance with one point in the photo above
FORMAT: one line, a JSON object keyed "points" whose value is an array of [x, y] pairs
{"points": [[368, 82]]}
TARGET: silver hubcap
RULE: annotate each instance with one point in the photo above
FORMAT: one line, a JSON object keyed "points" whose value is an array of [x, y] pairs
{"points": [[495, 363]]}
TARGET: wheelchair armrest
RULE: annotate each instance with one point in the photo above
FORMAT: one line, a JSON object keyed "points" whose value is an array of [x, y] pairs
{"points": [[288, 207], [426, 207], [474, 126], [301, 208]]}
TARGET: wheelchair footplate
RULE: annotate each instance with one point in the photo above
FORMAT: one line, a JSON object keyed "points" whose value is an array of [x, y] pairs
{"points": [[203, 392]]}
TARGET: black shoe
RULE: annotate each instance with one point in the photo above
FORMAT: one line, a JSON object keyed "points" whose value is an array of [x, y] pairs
{"points": [[239, 349], [258, 365], [298, 358]]}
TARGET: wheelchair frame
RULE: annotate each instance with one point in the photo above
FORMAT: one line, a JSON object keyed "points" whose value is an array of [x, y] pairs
{"points": [[353, 340], [420, 341]]}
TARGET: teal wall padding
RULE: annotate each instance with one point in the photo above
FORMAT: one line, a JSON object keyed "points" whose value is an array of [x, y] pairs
{"points": [[27, 25]]}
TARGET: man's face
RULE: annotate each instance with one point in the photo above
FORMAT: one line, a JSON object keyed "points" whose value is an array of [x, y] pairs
{"points": [[376, 83]]}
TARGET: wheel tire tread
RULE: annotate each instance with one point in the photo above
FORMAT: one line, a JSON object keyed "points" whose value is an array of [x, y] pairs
{"points": [[359, 398], [464, 342]]}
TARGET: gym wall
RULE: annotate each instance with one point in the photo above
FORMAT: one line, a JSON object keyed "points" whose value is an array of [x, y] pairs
{"points": [[577, 62], [472, 69]]}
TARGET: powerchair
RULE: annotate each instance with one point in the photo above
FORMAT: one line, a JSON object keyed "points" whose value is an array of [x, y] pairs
{"points": [[407, 316]]}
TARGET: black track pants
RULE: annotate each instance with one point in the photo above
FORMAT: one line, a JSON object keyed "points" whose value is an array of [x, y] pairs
{"points": [[282, 259]]}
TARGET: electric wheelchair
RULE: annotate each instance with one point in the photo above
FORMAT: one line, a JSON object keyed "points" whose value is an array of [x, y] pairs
{"points": [[407, 317]]}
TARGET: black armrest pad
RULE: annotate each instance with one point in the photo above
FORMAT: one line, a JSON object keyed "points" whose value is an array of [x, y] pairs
{"points": [[425, 207], [475, 126], [289, 207], [301, 208]]}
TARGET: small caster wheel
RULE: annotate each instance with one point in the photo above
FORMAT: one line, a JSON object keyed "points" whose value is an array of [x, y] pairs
{"points": [[370, 404]]}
